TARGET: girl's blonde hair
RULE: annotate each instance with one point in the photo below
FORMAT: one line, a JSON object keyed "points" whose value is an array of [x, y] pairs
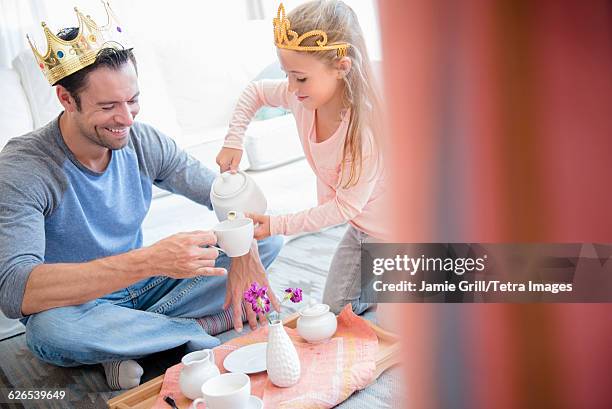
{"points": [[360, 93]]}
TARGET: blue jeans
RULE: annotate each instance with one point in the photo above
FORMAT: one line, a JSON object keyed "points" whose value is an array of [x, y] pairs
{"points": [[150, 316]]}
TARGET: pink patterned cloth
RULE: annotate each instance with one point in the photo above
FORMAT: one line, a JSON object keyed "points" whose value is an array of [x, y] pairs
{"points": [[331, 371]]}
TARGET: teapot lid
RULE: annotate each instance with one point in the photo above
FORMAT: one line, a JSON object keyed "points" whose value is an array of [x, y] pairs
{"points": [[229, 184], [314, 310]]}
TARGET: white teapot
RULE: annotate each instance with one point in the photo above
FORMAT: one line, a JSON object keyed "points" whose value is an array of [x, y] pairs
{"points": [[236, 192]]}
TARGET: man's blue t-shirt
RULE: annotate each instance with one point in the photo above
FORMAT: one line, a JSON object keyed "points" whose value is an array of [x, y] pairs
{"points": [[55, 210]]}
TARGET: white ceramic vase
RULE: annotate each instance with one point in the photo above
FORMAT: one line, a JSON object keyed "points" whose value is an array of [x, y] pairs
{"points": [[282, 360]]}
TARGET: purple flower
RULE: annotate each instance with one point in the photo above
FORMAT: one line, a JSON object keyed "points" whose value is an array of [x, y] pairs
{"points": [[260, 301], [264, 305], [294, 294], [258, 298], [251, 293]]}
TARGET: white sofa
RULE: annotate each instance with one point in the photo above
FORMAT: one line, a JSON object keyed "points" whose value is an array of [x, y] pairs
{"points": [[190, 96]]}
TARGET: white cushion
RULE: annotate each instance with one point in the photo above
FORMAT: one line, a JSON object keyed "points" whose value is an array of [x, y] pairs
{"points": [[9, 327], [208, 71], [155, 107], [204, 146], [15, 115], [272, 142], [204, 136], [43, 101]]}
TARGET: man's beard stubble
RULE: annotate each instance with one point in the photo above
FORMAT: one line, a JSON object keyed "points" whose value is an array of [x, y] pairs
{"points": [[103, 142], [98, 139]]}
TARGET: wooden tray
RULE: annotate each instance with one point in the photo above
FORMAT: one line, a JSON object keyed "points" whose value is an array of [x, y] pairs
{"points": [[145, 395]]}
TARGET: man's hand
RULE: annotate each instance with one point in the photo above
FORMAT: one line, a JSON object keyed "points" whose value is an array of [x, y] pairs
{"points": [[244, 271], [229, 159], [262, 225], [182, 255]]}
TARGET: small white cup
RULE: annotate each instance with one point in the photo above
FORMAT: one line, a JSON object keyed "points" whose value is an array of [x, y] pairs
{"points": [[226, 391], [234, 237]]}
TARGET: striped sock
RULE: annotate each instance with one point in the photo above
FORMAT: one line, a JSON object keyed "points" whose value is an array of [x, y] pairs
{"points": [[122, 374], [221, 322]]}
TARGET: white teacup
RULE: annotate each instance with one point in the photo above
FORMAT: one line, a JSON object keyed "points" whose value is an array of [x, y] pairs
{"points": [[226, 391], [234, 237]]}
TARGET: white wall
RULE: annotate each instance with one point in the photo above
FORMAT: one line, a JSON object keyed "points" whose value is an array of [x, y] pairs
{"points": [[157, 19]]}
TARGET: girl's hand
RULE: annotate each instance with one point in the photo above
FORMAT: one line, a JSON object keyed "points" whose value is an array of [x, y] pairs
{"points": [[262, 227], [229, 159]]}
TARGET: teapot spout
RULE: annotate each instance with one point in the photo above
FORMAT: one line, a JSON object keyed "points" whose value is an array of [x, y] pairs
{"points": [[233, 214]]}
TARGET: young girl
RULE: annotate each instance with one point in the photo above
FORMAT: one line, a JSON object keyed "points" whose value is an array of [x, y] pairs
{"points": [[330, 91]]}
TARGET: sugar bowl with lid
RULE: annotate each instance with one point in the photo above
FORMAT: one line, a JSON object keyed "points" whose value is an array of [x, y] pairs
{"points": [[316, 323]]}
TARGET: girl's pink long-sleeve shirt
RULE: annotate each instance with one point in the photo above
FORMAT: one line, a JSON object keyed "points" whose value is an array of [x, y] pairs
{"points": [[361, 204]]}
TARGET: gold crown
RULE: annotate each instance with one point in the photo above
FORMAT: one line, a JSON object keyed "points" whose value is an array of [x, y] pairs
{"points": [[67, 57], [288, 39]]}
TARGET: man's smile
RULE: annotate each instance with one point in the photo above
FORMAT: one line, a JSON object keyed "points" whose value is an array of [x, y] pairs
{"points": [[119, 132]]}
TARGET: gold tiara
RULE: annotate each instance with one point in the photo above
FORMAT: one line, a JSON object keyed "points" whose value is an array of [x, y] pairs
{"points": [[65, 57], [285, 38]]}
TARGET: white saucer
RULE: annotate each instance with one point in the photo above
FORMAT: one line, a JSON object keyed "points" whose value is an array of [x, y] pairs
{"points": [[254, 403], [248, 359]]}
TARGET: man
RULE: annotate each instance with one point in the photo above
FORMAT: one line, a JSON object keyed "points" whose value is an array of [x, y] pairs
{"points": [[73, 196]]}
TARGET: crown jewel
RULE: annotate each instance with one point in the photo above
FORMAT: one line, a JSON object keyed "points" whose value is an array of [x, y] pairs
{"points": [[288, 39], [65, 57]]}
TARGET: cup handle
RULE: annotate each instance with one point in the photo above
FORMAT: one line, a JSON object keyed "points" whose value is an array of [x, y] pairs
{"points": [[196, 402]]}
